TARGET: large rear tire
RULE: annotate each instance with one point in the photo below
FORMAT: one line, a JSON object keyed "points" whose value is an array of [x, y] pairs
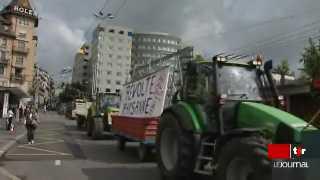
{"points": [[89, 127], [244, 159], [97, 128], [175, 149]]}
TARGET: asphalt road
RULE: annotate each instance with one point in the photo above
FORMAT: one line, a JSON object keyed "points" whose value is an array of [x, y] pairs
{"points": [[63, 152]]}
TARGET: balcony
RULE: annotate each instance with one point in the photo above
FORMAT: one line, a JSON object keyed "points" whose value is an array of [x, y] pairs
{"points": [[15, 78], [18, 65], [4, 60], [22, 50]]}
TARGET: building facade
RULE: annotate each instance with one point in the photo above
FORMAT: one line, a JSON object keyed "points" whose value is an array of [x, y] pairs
{"points": [[110, 58], [149, 46], [80, 71], [18, 50], [18, 44], [43, 87]]}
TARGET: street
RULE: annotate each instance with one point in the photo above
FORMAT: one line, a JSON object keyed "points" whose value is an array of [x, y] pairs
{"points": [[61, 151]]}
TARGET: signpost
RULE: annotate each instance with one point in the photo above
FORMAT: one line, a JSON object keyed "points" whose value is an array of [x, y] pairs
{"points": [[29, 12]]}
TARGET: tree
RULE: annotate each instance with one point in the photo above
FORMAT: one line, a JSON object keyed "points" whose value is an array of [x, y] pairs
{"points": [[311, 60], [283, 69], [199, 58]]}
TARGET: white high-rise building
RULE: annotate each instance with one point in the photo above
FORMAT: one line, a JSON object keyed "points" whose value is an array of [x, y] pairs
{"points": [[110, 58]]}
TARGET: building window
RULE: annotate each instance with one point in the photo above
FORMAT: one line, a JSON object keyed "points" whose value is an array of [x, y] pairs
{"points": [[120, 65], [120, 48], [21, 44], [108, 81], [119, 57], [111, 39], [85, 74], [111, 30], [120, 40], [118, 82], [121, 32], [110, 55], [23, 21], [109, 64], [3, 42], [117, 90], [119, 74], [85, 67], [19, 60], [109, 72], [108, 90], [110, 47]]}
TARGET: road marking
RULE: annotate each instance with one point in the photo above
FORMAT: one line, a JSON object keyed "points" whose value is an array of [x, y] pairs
{"points": [[38, 155], [46, 150], [49, 142], [57, 162], [8, 174]]}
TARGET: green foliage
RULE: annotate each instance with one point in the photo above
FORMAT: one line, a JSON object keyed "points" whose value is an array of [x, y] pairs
{"points": [[72, 91], [199, 58], [311, 60], [283, 68]]}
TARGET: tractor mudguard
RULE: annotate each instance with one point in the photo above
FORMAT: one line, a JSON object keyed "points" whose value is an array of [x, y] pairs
{"points": [[190, 116]]}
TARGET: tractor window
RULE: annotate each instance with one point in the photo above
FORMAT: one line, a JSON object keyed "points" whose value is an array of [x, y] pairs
{"points": [[239, 83]]}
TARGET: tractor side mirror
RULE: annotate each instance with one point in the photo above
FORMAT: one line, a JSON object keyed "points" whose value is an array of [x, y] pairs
{"points": [[268, 66]]}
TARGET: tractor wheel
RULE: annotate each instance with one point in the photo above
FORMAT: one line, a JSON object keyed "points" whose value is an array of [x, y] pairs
{"points": [[244, 159], [97, 128], [79, 122], [175, 149], [144, 152], [121, 143]]}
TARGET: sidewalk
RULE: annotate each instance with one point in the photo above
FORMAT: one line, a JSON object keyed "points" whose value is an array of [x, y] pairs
{"points": [[7, 138]]}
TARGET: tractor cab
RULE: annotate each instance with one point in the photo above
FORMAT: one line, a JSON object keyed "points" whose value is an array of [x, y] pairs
{"points": [[221, 85]]}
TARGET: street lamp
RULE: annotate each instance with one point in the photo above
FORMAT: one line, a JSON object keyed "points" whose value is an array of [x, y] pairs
{"points": [[103, 16]]}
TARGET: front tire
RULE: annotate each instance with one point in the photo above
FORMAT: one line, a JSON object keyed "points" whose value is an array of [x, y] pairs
{"points": [[97, 128], [244, 159], [80, 122], [175, 149]]}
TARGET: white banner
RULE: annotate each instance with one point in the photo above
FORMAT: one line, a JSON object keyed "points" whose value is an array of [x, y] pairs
{"points": [[146, 97], [5, 105]]}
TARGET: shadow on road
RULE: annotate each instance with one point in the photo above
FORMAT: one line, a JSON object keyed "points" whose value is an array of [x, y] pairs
{"points": [[122, 173]]}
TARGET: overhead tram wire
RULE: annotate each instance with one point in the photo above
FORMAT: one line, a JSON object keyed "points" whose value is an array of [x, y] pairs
{"points": [[289, 37], [124, 2], [277, 37]]}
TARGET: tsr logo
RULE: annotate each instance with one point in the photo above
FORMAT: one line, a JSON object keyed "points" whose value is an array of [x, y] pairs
{"points": [[299, 151]]}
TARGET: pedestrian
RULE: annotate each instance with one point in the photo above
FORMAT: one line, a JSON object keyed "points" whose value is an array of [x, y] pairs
{"points": [[21, 113], [31, 123], [10, 125]]}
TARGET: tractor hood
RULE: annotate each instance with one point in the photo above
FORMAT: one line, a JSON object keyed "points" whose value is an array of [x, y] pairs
{"points": [[267, 118]]}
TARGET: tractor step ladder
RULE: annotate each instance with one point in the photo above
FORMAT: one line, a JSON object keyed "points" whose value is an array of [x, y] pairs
{"points": [[204, 163]]}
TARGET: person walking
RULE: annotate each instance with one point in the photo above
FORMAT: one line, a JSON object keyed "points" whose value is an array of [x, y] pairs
{"points": [[10, 126], [31, 123], [21, 114]]}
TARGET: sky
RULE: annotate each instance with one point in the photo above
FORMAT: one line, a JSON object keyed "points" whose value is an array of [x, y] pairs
{"points": [[277, 29]]}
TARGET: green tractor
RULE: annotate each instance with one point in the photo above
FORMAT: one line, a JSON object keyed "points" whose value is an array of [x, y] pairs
{"points": [[99, 114], [221, 121]]}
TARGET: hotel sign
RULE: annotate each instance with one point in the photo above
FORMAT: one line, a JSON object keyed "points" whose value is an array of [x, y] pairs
{"points": [[29, 12]]}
